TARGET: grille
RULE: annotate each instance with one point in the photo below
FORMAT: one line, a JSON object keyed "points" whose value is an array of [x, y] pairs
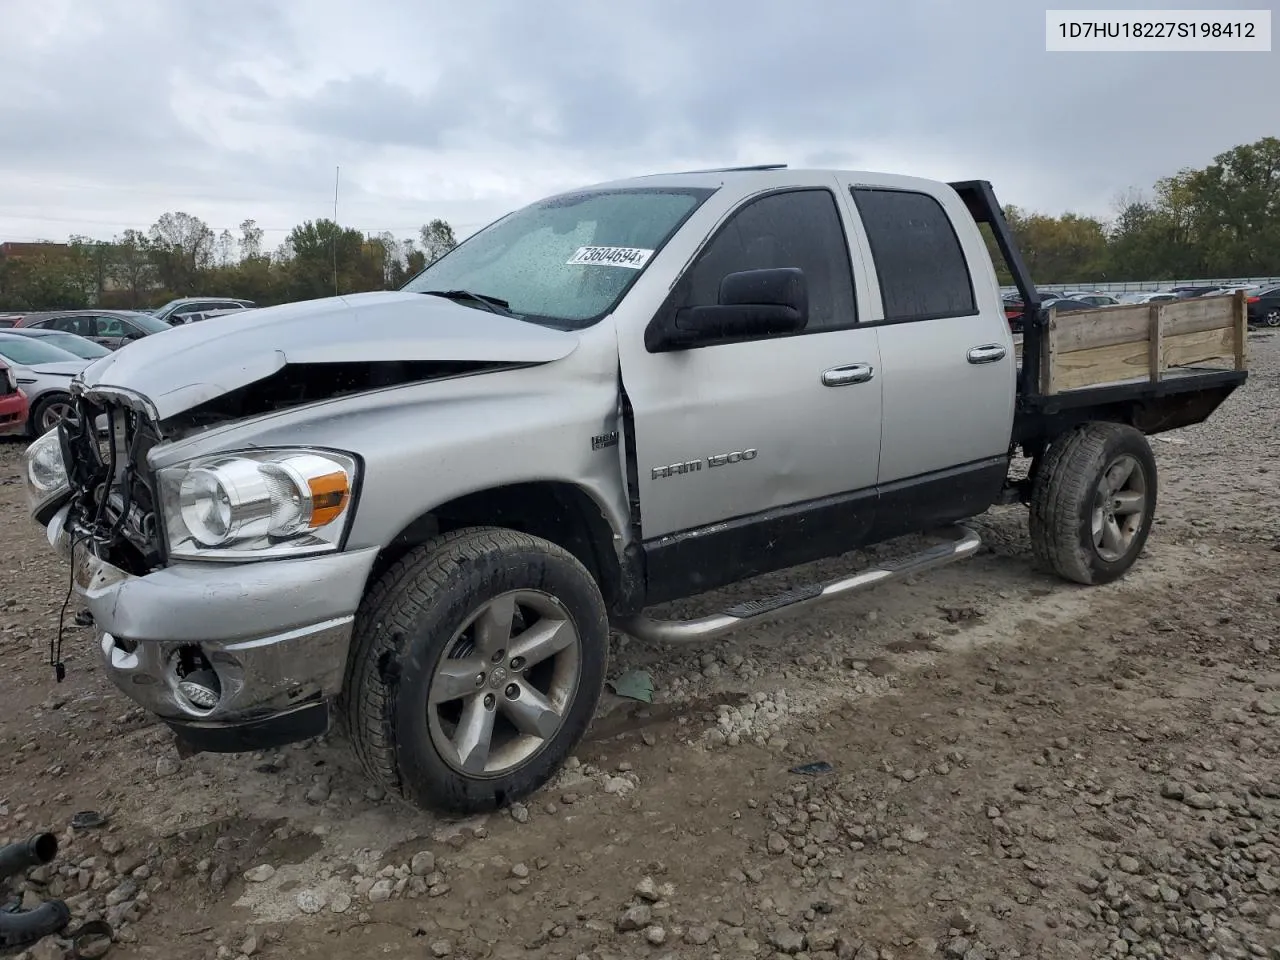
{"points": [[113, 495]]}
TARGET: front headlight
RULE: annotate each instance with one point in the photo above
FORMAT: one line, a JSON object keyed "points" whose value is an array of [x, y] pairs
{"points": [[45, 472], [257, 504]]}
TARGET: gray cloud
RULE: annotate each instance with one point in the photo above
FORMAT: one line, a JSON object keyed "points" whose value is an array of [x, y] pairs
{"points": [[243, 108]]}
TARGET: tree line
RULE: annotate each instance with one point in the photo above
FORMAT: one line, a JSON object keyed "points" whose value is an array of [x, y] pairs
{"points": [[182, 256], [1219, 221]]}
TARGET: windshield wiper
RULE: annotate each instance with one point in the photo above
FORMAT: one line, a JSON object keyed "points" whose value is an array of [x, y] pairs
{"points": [[492, 304]]}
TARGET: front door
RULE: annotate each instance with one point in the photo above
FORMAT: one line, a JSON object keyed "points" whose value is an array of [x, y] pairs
{"points": [[752, 454]]}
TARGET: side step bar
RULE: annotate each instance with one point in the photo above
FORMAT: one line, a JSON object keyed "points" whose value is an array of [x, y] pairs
{"points": [[963, 543]]}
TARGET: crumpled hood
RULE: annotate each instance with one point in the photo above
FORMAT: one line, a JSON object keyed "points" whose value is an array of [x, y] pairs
{"points": [[181, 368]]}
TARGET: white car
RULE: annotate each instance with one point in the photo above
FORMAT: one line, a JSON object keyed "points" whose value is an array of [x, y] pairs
{"points": [[44, 374], [1091, 297], [1156, 296]]}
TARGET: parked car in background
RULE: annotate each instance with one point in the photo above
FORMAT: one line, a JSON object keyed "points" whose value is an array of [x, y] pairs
{"points": [[185, 309], [110, 328], [1013, 302], [44, 374], [70, 342], [1264, 308], [1094, 299], [13, 403], [1155, 296], [1185, 293], [1062, 304]]}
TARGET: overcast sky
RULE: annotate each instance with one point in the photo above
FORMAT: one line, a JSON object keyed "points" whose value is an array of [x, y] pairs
{"points": [[115, 111]]}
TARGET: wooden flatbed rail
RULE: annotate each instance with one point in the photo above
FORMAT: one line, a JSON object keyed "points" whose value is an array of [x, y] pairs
{"points": [[1142, 342]]}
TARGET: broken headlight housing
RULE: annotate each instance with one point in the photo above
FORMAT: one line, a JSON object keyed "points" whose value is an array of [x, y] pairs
{"points": [[258, 504], [45, 472]]}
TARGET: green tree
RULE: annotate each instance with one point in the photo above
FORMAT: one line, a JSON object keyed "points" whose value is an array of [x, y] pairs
{"points": [[46, 280], [325, 259], [250, 240], [181, 250], [437, 240], [131, 267]]}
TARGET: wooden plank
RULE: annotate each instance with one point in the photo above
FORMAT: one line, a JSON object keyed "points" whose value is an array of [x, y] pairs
{"points": [[1199, 347], [1103, 327], [1155, 341], [1109, 326], [1132, 361], [1048, 351], [1102, 365], [1241, 331]]}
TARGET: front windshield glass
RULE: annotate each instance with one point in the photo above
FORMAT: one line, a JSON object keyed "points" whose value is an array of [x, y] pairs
{"points": [[565, 261], [28, 351], [147, 322]]}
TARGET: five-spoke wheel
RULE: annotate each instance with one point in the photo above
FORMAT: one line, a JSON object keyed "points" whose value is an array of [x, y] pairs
{"points": [[501, 688], [1092, 502], [476, 666]]}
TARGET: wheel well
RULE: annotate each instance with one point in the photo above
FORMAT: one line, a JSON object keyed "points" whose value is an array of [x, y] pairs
{"points": [[560, 512]]}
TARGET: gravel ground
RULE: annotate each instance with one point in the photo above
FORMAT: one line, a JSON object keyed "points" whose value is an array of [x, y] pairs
{"points": [[1018, 768]]}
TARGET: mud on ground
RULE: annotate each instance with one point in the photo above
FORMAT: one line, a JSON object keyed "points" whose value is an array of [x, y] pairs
{"points": [[1020, 768]]}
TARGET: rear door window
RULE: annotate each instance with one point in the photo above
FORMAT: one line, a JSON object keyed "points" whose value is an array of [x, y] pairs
{"points": [[918, 258]]}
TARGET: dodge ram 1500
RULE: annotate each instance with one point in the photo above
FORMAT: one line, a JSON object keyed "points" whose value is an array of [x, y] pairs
{"points": [[420, 512]]}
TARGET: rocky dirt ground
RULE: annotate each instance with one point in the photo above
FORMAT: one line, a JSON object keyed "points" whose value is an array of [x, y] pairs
{"points": [[1018, 768]]}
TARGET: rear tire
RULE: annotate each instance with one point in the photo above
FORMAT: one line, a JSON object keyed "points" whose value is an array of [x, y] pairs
{"points": [[1272, 317], [476, 667], [1093, 503]]}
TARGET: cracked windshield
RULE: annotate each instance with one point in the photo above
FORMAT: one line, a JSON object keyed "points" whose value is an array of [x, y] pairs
{"points": [[562, 482]]}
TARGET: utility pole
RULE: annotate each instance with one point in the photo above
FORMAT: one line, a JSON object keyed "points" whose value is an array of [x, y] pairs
{"points": [[336, 172]]}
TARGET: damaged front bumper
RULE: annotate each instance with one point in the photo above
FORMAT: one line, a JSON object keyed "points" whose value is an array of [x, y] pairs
{"points": [[274, 634]]}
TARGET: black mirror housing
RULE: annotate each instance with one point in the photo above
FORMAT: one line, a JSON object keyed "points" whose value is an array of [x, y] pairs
{"points": [[752, 303]]}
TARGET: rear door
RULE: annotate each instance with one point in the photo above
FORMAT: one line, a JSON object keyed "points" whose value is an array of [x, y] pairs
{"points": [[947, 353]]}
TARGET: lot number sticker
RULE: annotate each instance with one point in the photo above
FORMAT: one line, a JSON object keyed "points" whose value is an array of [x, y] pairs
{"points": [[632, 257]]}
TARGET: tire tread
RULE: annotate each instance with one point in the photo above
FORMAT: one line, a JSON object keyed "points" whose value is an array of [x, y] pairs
{"points": [[1064, 489], [385, 618]]}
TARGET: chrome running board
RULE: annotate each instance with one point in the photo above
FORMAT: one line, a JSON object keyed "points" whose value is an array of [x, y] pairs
{"points": [[963, 544]]}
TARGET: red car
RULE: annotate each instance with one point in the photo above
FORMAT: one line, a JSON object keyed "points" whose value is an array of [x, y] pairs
{"points": [[13, 404]]}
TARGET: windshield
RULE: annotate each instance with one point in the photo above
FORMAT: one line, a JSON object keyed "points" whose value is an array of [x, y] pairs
{"points": [[565, 261], [28, 351], [77, 345], [147, 322]]}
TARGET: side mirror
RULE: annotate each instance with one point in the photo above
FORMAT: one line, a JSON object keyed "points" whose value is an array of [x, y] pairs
{"points": [[752, 303]]}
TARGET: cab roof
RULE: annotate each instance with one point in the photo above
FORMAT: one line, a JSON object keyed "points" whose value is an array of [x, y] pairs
{"points": [[760, 176]]}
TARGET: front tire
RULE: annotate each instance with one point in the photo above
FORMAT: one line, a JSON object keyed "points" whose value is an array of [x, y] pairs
{"points": [[47, 413], [476, 667], [1093, 503]]}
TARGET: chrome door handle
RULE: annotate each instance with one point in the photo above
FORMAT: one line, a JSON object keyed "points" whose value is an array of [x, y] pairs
{"points": [[987, 353], [843, 376]]}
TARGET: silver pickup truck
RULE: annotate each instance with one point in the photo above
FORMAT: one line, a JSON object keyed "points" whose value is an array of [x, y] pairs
{"points": [[420, 512]]}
